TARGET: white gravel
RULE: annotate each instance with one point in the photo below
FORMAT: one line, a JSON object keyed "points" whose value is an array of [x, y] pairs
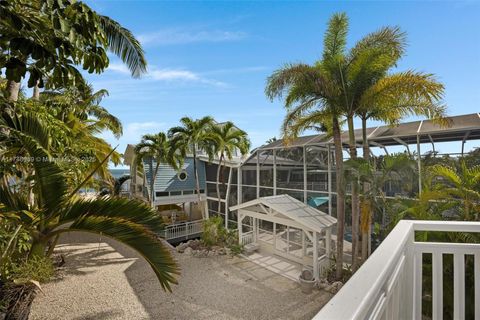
{"points": [[103, 279]]}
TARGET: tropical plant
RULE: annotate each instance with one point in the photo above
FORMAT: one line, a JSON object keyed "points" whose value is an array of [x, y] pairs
{"points": [[157, 148], [190, 137], [314, 99], [55, 209], [49, 39], [227, 139]]}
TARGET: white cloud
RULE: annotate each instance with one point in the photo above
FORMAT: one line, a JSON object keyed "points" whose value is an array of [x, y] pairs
{"points": [[170, 75], [118, 67], [135, 130], [179, 36]]}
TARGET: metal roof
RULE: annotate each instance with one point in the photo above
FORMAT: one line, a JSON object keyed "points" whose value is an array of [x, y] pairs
{"points": [[291, 208], [459, 128]]}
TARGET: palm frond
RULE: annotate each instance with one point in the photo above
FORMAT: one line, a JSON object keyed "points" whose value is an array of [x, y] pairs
{"points": [[123, 43]]}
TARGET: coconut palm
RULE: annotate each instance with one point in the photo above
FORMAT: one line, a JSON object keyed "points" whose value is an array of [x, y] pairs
{"points": [[313, 98], [157, 148], [227, 139], [189, 138], [56, 209]]}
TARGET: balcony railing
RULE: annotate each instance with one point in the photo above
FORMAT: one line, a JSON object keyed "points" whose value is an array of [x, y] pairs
{"points": [[184, 230], [389, 283]]}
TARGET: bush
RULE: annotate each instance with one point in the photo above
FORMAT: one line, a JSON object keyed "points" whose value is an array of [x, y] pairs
{"points": [[215, 234], [39, 269]]}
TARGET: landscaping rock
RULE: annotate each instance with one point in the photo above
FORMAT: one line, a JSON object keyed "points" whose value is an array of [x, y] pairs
{"points": [[188, 251], [335, 287]]}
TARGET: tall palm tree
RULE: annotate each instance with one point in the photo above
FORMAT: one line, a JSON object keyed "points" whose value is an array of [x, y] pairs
{"points": [[57, 209], [314, 97], [227, 139], [190, 137], [157, 148]]}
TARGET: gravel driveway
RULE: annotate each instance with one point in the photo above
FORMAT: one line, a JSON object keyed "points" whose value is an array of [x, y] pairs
{"points": [[103, 279]]}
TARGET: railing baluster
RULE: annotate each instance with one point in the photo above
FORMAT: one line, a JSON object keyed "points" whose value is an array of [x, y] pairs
{"points": [[437, 285], [417, 282], [459, 286], [476, 274]]}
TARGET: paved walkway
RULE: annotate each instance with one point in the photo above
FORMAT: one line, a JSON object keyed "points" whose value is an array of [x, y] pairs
{"points": [[103, 279]]}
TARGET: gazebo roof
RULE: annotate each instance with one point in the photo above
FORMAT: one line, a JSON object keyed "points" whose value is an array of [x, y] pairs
{"points": [[292, 209]]}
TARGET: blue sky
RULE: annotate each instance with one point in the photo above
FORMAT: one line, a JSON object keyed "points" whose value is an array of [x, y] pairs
{"points": [[212, 58]]}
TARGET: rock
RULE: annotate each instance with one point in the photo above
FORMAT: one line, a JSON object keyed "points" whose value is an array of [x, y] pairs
{"points": [[181, 247], [221, 251], [228, 251], [335, 287], [322, 283], [188, 251], [211, 253]]}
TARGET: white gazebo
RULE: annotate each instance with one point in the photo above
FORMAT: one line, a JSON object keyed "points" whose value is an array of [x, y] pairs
{"points": [[284, 226]]}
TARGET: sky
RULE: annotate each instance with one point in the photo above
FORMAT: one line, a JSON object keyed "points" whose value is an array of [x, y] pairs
{"points": [[213, 58]]}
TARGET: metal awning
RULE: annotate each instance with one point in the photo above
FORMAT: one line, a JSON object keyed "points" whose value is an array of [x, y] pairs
{"points": [[292, 209], [459, 128]]}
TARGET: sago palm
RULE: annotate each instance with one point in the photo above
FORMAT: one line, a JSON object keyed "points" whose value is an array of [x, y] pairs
{"points": [[157, 148], [227, 139], [57, 210], [189, 138]]}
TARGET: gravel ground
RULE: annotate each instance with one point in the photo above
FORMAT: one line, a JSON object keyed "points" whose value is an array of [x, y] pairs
{"points": [[103, 279]]}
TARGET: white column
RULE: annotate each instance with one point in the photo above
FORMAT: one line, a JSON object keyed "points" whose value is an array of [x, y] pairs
{"points": [[305, 182], [239, 225], [419, 159], [207, 214], [274, 172], [328, 242], [304, 247], [258, 175], [239, 185], [316, 273]]}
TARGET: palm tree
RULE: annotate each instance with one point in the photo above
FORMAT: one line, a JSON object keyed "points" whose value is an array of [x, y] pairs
{"points": [[34, 30], [314, 98], [191, 137], [227, 139], [57, 209], [460, 187], [157, 148]]}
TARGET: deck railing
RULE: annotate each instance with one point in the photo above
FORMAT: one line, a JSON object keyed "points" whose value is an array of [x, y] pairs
{"points": [[247, 238], [183, 230], [389, 283]]}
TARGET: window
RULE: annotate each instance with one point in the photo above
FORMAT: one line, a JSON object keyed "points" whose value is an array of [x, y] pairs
{"points": [[161, 194], [182, 175]]}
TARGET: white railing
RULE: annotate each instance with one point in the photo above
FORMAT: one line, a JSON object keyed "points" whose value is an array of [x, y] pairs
{"points": [[183, 230], [389, 283], [247, 238]]}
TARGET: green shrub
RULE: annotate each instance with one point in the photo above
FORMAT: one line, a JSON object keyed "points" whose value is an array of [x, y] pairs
{"points": [[213, 231], [39, 269]]}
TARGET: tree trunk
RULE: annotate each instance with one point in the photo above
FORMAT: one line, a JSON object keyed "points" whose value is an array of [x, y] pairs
{"points": [[13, 89], [366, 230], [152, 186], [36, 92], [355, 200], [197, 183], [219, 170], [340, 196]]}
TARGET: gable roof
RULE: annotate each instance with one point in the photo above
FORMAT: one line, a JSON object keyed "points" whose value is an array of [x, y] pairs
{"points": [[291, 208]]}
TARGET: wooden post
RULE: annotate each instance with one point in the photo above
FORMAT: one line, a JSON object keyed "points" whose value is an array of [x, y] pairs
{"points": [[239, 224], [316, 273], [328, 242]]}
